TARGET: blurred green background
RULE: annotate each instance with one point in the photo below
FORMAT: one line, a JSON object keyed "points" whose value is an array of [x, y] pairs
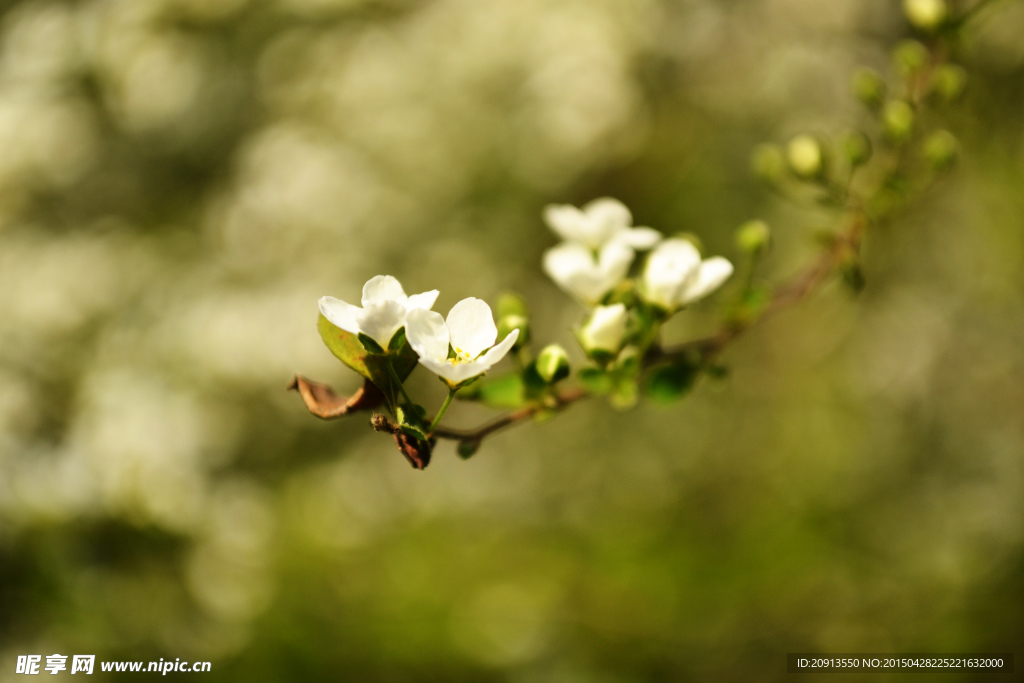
{"points": [[180, 180]]}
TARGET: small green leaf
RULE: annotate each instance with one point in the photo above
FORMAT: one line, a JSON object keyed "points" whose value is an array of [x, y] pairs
{"points": [[468, 448], [413, 431], [397, 341], [347, 348], [534, 385], [670, 382], [370, 344], [595, 380], [505, 391]]}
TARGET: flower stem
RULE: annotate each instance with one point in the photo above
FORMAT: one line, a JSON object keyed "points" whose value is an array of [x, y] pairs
{"points": [[398, 382], [442, 411]]}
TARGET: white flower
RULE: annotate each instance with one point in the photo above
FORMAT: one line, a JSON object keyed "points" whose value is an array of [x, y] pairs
{"points": [[598, 223], [604, 329], [469, 331], [575, 269], [676, 276], [385, 306]]}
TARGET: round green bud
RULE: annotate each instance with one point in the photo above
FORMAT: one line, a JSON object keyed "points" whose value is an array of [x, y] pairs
{"points": [[511, 304], [753, 236], [805, 156], [508, 323], [927, 15], [768, 163], [941, 149], [868, 87], [948, 81], [553, 363], [898, 119], [856, 147], [910, 56]]}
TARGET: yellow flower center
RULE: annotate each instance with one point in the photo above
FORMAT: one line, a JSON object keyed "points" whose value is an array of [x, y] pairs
{"points": [[460, 357]]}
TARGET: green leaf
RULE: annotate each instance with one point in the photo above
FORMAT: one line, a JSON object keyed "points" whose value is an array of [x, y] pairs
{"points": [[370, 344], [534, 385], [669, 383], [347, 348], [468, 448], [413, 431], [595, 380], [397, 341], [505, 391]]}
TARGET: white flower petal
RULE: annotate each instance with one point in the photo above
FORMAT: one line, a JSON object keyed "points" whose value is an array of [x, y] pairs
{"points": [[607, 216], [709, 277], [638, 238], [340, 313], [668, 270], [566, 221], [497, 352], [566, 260], [573, 268], [379, 320], [425, 300], [471, 326], [383, 288], [427, 334], [614, 260], [675, 254]]}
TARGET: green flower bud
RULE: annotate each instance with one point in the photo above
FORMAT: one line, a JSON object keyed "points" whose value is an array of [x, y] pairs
{"points": [[753, 236], [856, 147], [553, 363], [768, 163], [511, 304], [910, 56], [898, 119], [927, 15], [948, 81], [940, 149], [805, 156], [514, 322], [868, 87]]}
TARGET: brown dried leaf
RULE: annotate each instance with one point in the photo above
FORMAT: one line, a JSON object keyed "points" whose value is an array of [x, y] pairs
{"points": [[415, 451], [321, 400]]}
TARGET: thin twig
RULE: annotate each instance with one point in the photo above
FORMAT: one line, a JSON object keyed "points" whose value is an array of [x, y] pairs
{"points": [[562, 399]]}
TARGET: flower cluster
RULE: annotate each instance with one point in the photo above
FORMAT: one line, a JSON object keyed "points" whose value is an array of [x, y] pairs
{"points": [[593, 263], [391, 333], [627, 303], [456, 349]]}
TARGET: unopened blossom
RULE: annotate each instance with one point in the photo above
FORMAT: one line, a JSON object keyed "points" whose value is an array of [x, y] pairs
{"points": [[384, 310], [925, 14], [598, 223], [675, 275], [605, 329], [588, 277], [468, 332]]}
